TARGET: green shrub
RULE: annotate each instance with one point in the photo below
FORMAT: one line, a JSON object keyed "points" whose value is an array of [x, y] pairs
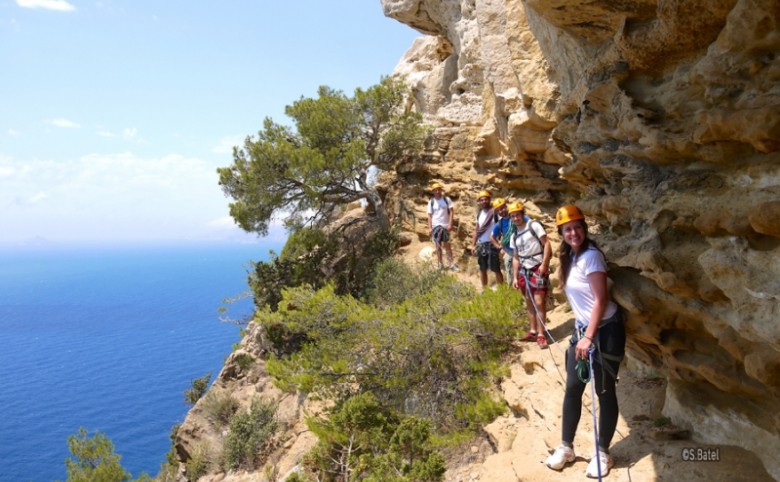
{"points": [[249, 434], [362, 440], [198, 464], [93, 459], [245, 361], [395, 281], [350, 255], [197, 390], [297, 477], [438, 350], [302, 242], [219, 408]]}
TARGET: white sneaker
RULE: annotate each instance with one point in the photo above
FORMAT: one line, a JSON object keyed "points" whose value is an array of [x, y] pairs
{"points": [[563, 455], [606, 462]]}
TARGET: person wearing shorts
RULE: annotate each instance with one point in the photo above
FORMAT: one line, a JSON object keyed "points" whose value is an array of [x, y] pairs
{"points": [[487, 255], [531, 270], [440, 219]]}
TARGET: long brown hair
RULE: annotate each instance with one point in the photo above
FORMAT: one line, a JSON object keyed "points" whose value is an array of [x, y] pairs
{"points": [[565, 253]]}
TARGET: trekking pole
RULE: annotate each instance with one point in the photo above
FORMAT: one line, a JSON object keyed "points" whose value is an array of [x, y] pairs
{"points": [[593, 410]]}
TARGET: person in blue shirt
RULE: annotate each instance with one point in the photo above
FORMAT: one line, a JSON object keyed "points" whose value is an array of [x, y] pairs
{"points": [[502, 235]]}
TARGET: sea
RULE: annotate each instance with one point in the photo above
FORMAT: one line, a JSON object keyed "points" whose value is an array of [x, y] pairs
{"points": [[108, 339]]}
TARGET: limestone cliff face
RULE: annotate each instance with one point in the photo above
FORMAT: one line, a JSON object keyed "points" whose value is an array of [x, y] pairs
{"points": [[661, 120]]}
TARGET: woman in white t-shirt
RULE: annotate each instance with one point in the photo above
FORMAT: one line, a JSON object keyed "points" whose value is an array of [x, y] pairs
{"points": [[598, 324]]}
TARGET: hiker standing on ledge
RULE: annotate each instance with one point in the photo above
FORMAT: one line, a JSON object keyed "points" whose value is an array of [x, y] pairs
{"points": [[531, 270], [440, 219], [599, 323], [487, 254], [501, 236]]}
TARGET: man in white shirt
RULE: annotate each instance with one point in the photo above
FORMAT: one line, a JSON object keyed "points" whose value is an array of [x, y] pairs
{"points": [[440, 219], [531, 269]]}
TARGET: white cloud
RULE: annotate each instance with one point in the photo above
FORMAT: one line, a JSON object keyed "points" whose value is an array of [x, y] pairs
{"points": [[37, 197], [119, 196], [225, 222], [226, 144], [64, 123], [59, 5], [13, 133], [27, 201], [225, 228], [130, 134]]}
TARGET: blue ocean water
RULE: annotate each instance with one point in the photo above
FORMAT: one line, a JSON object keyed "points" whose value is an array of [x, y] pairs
{"points": [[109, 339]]}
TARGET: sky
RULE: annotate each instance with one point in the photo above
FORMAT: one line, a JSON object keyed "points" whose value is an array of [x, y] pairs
{"points": [[115, 114]]}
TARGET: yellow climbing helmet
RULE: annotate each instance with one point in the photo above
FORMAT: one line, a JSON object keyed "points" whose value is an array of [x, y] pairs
{"points": [[568, 213], [436, 186], [499, 202], [516, 207], [484, 194]]}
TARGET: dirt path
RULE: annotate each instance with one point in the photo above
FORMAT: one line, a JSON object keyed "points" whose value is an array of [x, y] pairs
{"points": [[645, 447]]}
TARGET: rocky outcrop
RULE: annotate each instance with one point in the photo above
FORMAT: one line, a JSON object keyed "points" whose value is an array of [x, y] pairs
{"points": [[661, 120]]}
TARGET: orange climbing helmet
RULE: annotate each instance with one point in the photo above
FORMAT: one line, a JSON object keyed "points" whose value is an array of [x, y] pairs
{"points": [[516, 207], [499, 202], [568, 213]]}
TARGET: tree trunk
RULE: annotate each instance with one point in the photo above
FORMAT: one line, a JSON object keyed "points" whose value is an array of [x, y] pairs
{"points": [[373, 198]]}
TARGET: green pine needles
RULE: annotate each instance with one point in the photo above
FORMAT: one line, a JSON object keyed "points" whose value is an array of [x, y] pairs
{"points": [[409, 368]]}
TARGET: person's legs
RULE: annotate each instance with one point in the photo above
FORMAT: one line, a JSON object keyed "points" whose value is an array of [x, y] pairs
{"points": [[533, 324], [438, 239], [572, 408], [448, 251], [608, 402], [612, 341], [572, 399], [494, 262], [541, 309], [508, 268], [482, 260]]}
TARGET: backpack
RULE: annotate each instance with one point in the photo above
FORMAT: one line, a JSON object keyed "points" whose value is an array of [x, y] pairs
{"points": [[533, 233], [495, 216], [446, 202], [495, 220]]}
